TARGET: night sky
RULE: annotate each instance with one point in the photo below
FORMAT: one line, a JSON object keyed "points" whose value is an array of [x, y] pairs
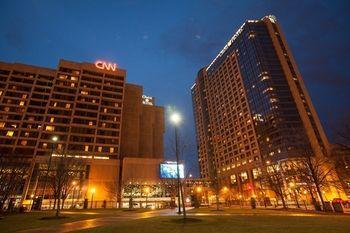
{"points": [[163, 44]]}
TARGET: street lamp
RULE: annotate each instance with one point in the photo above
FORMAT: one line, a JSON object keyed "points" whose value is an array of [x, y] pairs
{"points": [[292, 187], [175, 119], [73, 184], [92, 190], [54, 139], [146, 190], [31, 201]]}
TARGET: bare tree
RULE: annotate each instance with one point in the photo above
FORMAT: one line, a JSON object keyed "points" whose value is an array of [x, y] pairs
{"points": [[112, 190], [61, 176], [14, 170], [272, 176], [341, 154], [316, 171]]}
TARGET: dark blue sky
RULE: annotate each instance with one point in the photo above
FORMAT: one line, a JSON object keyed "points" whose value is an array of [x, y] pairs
{"points": [[162, 44]]}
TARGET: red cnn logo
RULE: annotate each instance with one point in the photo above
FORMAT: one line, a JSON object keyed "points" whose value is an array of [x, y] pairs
{"points": [[106, 65]]}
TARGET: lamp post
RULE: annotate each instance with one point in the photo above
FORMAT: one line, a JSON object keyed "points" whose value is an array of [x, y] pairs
{"points": [[292, 186], [54, 139], [93, 190], [147, 190], [199, 193], [31, 202], [175, 118], [73, 183]]}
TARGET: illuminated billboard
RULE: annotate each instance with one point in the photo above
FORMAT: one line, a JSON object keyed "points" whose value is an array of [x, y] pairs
{"points": [[169, 170]]}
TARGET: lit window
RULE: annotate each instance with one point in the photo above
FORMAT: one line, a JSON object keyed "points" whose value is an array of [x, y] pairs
{"points": [[273, 100], [233, 179], [10, 133], [86, 148], [26, 134], [44, 145], [264, 78], [1, 93], [24, 142], [50, 128], [99, 149], [111, 150], [91, 123], [84, 92], [72, 85], [21, 103], [52, 119], [67, 105], [256, 172], [6, 109], [2, 124], [244, 176], [63, 77], [59, 147], [103, 124], [105, 110], [94, 101], [74, 78], [24, 96], [55, 104]]}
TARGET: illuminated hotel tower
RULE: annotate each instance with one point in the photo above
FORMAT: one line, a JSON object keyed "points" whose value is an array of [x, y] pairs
{"points": [[95, 115], [251, 105]]}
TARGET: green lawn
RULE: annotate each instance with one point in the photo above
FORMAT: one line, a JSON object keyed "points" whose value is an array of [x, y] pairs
{"points": [[239, 220], [17, 222], [232, 220], [237, 224]]}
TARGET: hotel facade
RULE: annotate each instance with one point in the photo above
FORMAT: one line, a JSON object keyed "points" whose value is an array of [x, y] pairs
{"points": [[94, 115], [251, 106]]}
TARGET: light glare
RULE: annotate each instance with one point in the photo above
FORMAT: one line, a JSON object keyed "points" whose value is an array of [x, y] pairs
{"points": [[175, 118]]}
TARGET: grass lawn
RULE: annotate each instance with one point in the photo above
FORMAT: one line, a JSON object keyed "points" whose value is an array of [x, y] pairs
{"points": [[17, 222], [231, 220], [245, 221]]}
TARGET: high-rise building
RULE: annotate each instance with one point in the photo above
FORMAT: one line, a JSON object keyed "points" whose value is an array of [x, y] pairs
{"points": [[78, 103], [251, 106], [92, 114], [143, 125]]}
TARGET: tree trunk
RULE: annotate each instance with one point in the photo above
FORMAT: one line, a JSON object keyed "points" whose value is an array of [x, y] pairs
{"points": [[1, 205], [320, 195], [54, 203], [217, 191], [58, 205], [63, 200], [283, 202]]}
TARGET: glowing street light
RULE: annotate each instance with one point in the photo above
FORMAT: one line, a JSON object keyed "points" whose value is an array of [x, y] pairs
{"points": [[175, 119], [74, 187], [92, 191], [292, 185], [147, 191], [54, 139], [199, 189]]}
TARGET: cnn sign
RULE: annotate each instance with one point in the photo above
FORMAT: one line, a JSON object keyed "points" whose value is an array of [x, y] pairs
{"points": [[106, 65]]}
